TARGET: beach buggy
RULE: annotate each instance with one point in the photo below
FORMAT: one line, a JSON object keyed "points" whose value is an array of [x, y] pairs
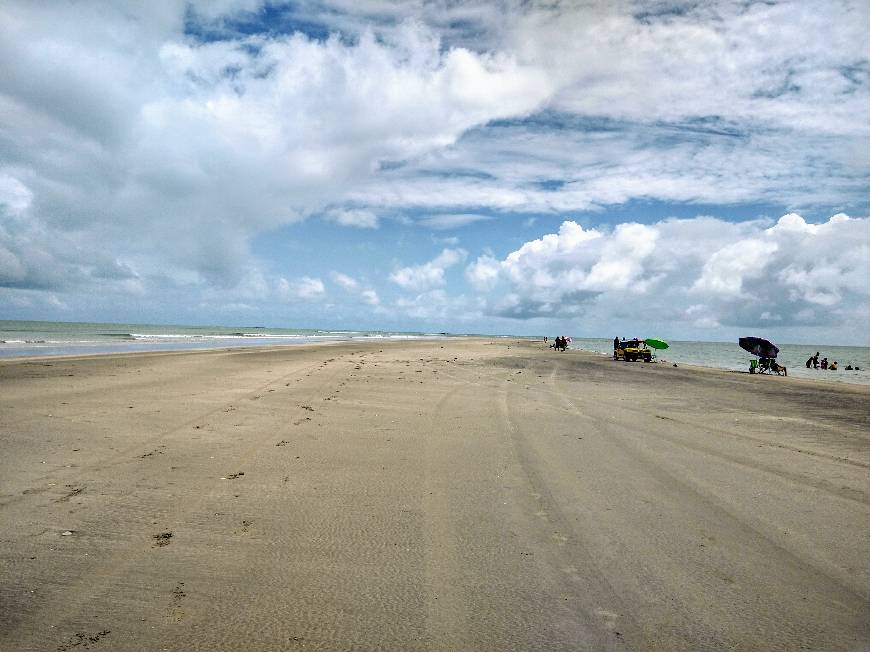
{"points": [[632, 350]]}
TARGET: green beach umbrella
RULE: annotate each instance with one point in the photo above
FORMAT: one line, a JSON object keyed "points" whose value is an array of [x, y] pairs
{"points": [[654, 343]]}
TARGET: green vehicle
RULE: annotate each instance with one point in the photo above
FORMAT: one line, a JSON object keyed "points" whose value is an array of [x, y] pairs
{"points": [[632, 351]]}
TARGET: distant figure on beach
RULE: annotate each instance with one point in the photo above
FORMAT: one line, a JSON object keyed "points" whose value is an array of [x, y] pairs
{"points": [[809, 362], [815, 360], [833, 366], [824, 363], [615, 343]]}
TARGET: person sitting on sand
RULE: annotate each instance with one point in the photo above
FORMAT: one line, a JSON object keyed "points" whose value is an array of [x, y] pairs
{"points": [[824, 363], [832, 366], [778, 368]]}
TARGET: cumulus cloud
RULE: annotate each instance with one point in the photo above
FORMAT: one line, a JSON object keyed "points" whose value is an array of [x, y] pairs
{"points": [[428, 275], [305, 288], [705, 270], [33, 258], [115, 119], [351, 285], [346, 282], [483, 273], [370, 297]]}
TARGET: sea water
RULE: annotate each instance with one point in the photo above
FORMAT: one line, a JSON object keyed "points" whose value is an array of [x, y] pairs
{"points": [[728, 355], [40, 338]]}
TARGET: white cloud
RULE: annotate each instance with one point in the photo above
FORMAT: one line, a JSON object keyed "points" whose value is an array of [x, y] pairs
{"points": [[370, 297], [15, 197], [705, 270], [726, 270], [483, 273], [452, 220], [346, 282], [362, 219], [306, 288], [353, 286], [118, 120], [428, 275]]}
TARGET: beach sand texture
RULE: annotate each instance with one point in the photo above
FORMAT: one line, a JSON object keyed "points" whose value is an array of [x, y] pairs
{"points": [[447, 495]]}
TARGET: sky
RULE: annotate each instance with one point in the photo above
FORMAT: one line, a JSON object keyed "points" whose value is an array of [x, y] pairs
{"points": [[684, 169]]}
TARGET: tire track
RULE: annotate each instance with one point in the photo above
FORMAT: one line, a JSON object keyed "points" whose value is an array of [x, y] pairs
{"points": [[604, 617], [688, 493], [850, 494]]}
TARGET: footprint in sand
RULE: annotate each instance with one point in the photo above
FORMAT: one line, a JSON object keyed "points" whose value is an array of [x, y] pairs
{"points": [[73, 491], [176, 613], [81, 639], [162, 539], [156, 451]]}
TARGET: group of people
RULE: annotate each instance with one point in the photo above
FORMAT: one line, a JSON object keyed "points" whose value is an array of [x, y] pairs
{"points": [[813, 363], [560, 343]]}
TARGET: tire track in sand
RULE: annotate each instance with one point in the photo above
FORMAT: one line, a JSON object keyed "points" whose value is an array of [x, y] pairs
{"points": [[598, 615]]}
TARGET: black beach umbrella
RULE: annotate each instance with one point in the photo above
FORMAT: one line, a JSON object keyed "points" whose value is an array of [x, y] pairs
{"points": [[758, 346]]}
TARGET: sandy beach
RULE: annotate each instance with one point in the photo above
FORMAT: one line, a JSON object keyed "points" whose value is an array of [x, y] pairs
{"points": [[446, 495]]}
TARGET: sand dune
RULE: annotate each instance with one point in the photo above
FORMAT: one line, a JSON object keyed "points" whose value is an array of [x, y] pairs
{"points": [[448, 495]]}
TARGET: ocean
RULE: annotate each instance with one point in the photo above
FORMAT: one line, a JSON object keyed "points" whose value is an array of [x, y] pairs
{"points": [[728, 355], [41, 338]]}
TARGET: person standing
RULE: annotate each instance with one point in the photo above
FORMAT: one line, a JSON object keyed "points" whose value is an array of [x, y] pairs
{"points": [[816, 360]]}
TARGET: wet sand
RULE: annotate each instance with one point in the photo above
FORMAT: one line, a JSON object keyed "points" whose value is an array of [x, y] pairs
{"points": [[446, 495]]}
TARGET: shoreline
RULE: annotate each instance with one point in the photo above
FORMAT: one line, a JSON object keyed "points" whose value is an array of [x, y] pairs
{"points": [[447, 494], [838, 377], [820, 384]]}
